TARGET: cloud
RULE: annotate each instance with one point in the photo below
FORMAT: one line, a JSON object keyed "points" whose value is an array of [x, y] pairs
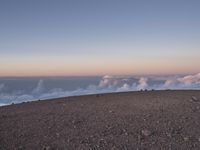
{"points": [[108, 81], [106, 85], [39, 88], [142, 83], [186, 82], [170, 83], [190, 79], [125, 87], [1, 104]]}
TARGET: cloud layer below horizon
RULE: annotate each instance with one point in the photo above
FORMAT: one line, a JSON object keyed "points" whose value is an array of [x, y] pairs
{"points": [[107, 84]]}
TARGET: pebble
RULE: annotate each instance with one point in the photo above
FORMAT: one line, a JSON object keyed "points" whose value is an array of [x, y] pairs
{"points": [[57, 134], [47, 148], [146, 132], [169, 134], [199, 139], [125, 132], [20, 148], [186, 139], [194, 99]]}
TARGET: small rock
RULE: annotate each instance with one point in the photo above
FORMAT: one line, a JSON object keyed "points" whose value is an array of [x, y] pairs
{"points": [[153, 143], [20, 147], [101, 140], [57, 134], [199, 139], [110, 111], [47, 148], [169, 134], [176, 130], [125, 132], [82, 141], [194, 99], [186, 139], [146, 132]]}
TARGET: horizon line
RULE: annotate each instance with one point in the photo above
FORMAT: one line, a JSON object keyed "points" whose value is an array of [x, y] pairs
{"points": [[172, 74]]}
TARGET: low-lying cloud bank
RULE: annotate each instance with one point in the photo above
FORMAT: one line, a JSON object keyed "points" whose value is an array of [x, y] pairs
{"points": [[106, 85]]}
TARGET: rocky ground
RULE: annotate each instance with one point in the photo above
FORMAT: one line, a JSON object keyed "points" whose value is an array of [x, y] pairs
{"points": [[145, 120]]}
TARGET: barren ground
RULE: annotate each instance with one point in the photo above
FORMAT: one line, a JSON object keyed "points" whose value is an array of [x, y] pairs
{"points": [[148, 120]]}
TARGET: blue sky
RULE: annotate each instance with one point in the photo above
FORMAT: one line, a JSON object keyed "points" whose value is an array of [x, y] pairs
{"points": [[80, 36]]}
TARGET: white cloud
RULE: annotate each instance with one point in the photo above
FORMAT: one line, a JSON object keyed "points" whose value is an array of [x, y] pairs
{"points": [[39, 88], [142, 83], [106, 85], [125, 87], [190, 79]]}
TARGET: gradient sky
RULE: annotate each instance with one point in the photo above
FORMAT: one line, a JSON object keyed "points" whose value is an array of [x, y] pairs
{"points": [[98, 37]]}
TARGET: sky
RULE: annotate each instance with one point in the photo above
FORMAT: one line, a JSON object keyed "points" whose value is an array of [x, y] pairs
{"points": [[99, 37]]}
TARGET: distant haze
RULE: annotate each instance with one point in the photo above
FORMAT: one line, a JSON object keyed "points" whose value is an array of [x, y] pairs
{"points": [[90, 37]]}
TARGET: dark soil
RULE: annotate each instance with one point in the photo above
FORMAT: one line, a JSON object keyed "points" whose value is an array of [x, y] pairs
{"points": [[146, 120]]}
